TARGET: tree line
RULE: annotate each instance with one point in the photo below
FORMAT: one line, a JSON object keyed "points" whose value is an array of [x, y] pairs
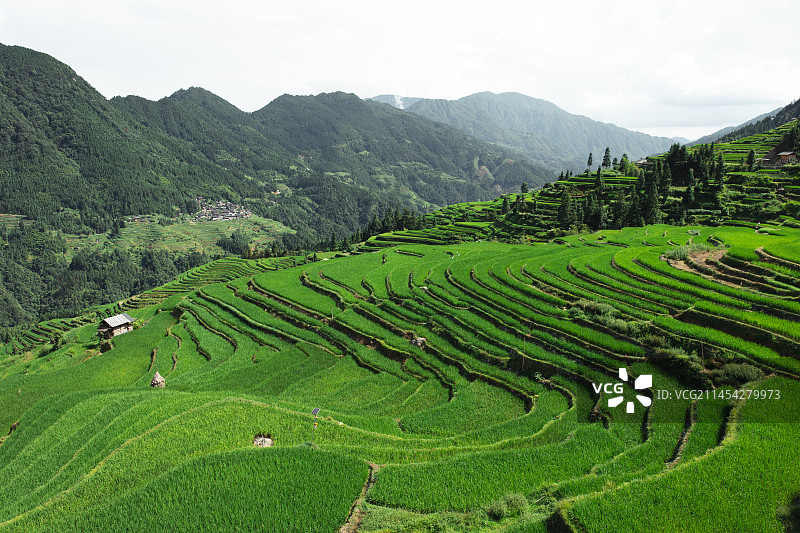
{"points": [[38, 282]]}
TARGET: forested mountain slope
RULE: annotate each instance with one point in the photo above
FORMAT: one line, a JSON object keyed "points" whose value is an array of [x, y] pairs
{"points": [[76, 161], [72, 160], [339, 132], [350, 158], [539, 129]]}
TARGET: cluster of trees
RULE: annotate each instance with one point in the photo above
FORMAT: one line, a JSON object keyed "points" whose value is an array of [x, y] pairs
{"points": [[792, 140], [38, 282], [393, 220], [686, 167], [238, 243], [699, 173]]}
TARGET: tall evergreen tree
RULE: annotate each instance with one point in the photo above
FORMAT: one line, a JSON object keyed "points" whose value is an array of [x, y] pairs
{"points": [[602, 222], [666, 183], [566, 211], [619, 209], [719, 171], [599, 182], [607, 158], [635, 217], [650, 207], [751, 160], [689, 195]]}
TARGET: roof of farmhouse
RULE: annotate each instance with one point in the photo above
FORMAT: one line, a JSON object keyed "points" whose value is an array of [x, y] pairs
{"points": [[118, 320]]}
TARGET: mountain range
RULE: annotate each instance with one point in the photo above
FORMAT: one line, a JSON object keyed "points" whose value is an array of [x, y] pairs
{"points": [[320, 164], [539, 129]]}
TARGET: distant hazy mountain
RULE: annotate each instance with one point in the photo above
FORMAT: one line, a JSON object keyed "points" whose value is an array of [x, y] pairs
{"points": [[545, 133], [400, 102], [372, 142], [784, 115], [713, 137]]}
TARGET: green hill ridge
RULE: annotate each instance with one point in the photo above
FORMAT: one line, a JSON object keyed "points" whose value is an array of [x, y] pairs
{"points": [[77, 160]]}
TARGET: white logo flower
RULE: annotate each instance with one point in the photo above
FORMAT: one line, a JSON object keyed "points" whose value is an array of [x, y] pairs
{"points": [[642, 382]]}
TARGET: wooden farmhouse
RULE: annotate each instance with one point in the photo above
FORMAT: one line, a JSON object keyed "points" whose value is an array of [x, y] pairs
{"points": [[115, 325], [787, 158]]}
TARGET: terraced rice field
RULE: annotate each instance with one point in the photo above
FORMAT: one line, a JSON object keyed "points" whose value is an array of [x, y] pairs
{"points": [[460, 386], [200, 236], [225, 269]]}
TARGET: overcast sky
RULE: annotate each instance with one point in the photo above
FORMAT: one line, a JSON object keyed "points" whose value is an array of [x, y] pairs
{"points": [[671, 67]]}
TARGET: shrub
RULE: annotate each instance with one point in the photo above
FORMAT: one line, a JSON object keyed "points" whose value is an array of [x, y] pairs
{"points": [[682, 252], [683, 366], [576, 313], [736, 374], [510, 506], [497, 510], [789, 515], [595, 308], [517, 504], [656, 341]]}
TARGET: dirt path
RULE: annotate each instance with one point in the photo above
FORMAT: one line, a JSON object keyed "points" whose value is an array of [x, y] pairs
{"points": [[701, 257], [357, 510], [689, 425]]}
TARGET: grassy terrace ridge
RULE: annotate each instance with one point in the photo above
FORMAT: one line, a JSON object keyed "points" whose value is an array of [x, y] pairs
{"points": [[455, 388], [48, 335], [177, 234]]}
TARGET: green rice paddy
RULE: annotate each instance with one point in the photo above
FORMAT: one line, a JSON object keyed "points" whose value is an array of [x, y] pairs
{"points": [[460, 386]]}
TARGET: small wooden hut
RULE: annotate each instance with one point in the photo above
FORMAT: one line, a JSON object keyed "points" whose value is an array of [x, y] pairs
{"points": [[116, 325]]}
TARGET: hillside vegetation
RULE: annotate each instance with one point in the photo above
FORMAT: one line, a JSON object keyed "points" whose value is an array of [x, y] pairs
{"points": [[75, 166], [78, 162], [455, 385], [734, 183]]}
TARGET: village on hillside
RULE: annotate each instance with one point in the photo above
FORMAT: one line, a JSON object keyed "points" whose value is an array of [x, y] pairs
{"points": [[219, 210], [209, 210]]}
